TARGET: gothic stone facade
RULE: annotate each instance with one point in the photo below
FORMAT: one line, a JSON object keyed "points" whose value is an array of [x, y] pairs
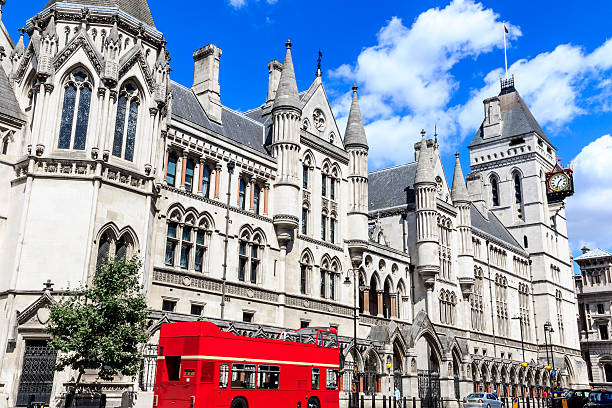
{"points": [[256, 220], [594, 291]]}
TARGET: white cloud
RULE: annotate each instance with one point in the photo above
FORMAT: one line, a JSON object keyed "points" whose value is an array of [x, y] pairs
{"points": [[241, 3], [406, 80], [589, 211]]}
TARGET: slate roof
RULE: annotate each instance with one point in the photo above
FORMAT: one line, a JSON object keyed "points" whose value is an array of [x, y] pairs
{"points": [[517, 119], [236, 126], [138, 9], [493, 227], [391, 187], [595, 253], [8, 103]]}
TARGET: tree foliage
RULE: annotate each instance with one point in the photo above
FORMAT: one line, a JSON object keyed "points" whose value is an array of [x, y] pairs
{"points": [[102, 326]]}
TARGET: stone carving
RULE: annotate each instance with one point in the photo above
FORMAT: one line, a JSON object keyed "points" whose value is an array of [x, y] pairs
{"points": [[43, 314], [318, 118]]}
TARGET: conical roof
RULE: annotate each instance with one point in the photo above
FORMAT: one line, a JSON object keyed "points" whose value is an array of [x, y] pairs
{"points": [[424, 171], [139, 9], [459, 192], [20, 46], [355, 132], [287, 93]]}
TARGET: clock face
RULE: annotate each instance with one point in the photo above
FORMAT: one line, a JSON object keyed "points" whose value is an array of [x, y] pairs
{"points": [[558, 182]]}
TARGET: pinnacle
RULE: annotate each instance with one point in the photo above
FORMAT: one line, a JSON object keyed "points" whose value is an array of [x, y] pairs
{"points": [[424, 171], [287, 93], [459, 192], [355, 132]]}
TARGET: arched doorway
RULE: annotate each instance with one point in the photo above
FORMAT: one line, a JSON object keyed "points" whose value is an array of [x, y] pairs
{"points": [[428, 364], [371, 375], [374, 296], [398, 366], [456, 376], [608, 372]]}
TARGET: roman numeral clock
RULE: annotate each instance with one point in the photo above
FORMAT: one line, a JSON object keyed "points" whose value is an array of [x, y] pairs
{"points": [[559, 184]]}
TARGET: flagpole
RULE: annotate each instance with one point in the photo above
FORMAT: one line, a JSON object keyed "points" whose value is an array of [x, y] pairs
{"points": [[505, 55]]}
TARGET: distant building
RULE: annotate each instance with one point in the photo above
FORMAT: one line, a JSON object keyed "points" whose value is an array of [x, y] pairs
{"points": [[266, 220], [594, 290]]}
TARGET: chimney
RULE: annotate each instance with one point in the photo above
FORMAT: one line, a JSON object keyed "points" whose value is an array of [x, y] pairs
{"points": [[274, 72], [206, 80]]}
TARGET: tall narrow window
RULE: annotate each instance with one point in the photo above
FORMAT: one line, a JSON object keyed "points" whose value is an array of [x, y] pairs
{"points": [[518, 196], [77, 96], [495, 191], [121, 249], [171, 170], [305, 177], [322, 283], [205, 180], [332, 230], [256, 193], [241, 193], [323, 227], [171, 243], [332, 285], [5, 145], [525, 242], [126, 123], [186, 245], [189, 168], [200, 250], [249, 256], [332, 188], [324, 185], [304, 220], [303, 274], [243, 260], [103, 250], [254, 262]]}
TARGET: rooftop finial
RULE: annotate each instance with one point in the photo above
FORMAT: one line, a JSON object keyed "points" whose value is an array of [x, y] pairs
{"points": [[22, 31], [319, 64], [422, 133], [456, 155], [288, 44], [355, 88]]}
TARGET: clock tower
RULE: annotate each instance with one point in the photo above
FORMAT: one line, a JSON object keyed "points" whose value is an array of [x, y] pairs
{"points": [[515, 176]]}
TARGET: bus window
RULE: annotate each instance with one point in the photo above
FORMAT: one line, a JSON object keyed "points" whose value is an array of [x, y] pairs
{"points": [[315, 379], [332, 379], [243, 376], [268, 377], [223, 375], [207, 373], [173, 366]]}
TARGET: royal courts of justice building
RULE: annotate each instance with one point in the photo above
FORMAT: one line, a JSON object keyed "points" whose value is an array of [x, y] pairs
{"points": [[102, 154]]}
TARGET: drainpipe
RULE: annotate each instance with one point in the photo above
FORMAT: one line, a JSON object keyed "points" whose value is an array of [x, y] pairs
{"points": [[491, 301], [230, 170]]}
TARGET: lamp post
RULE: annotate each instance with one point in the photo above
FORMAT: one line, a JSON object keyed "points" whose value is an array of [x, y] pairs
{"points": [[347, 282], [549, 329]]}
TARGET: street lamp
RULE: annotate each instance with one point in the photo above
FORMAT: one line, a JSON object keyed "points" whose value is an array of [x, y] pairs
{"points": [[524, 363], [549, 329], [347, 282]]}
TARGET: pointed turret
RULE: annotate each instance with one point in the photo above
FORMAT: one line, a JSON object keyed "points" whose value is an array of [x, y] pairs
{"points": [[459, 192], [355, 132], [424, 171], [17, 53], [287, 92], [356, 144]]}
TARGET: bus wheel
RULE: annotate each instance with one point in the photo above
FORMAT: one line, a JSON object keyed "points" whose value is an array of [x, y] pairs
{"points": [[239, 403], [313, 403]]}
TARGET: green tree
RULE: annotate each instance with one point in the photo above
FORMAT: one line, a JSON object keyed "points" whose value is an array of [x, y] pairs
{"points": [[101, 327]]}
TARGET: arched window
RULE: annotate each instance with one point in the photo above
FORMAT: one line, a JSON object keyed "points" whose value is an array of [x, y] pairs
{"points": [[187, 241], [332, 229], [103, 249], [189, 168], [333, 276], [324, 185], [332, 188], [189, 238], [122, 248], [171, 170], [518, 195], [608, 372], [171, 242], [495, 191], [322, 282], [109, 246], [249, 256], [202, 237], [256, 194], [126, 122], [205, 180], [305, 270], [305, 183], [305, 219], [241, 193], [77, 96], [323, 226], [477, 301]]}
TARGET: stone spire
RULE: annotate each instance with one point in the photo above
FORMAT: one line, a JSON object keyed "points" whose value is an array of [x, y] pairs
{"points": [[50, 31], [287, 92], [355, 132], [424, 171], [459, 192], [19, 49]]}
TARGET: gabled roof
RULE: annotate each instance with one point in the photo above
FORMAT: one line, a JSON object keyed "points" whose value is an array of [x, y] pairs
{"points": [[236, 126], [494, 228], [138, 9], [392, 187], [8, 103], [592, 254], [516, 118]]}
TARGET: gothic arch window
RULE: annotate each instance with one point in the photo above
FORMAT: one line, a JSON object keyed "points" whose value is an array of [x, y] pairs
{"points": [[305, 272], [75, 111], [332, 228], [113, 244], [305, 217], [495, 191], [518, 194], [126, 122], [102, 40], [307, 166], [171, 169], [501, 292], [325, 270], [172, 237], [249, 255], [202, 239], [187, 232]]}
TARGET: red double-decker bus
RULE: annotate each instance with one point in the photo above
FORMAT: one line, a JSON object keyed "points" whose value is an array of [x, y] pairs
{"points": [[198, 366]]}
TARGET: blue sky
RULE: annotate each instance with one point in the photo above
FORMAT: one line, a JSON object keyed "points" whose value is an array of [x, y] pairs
{"points": [[419, 63]]}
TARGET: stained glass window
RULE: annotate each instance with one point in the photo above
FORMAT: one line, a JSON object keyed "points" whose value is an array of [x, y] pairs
{"points": [[73, 128], [127, 108]]}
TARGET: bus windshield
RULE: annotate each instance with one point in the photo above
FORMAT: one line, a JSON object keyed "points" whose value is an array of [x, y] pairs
{"points": [[322, 337]]}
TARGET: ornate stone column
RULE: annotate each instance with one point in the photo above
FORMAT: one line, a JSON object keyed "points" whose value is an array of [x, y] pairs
{"points": [[183, 169], [217, 179], [166, 165], [252, 192], [266, 190], [201, 180], [393, 297], [366, 300], [379, 296]]}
